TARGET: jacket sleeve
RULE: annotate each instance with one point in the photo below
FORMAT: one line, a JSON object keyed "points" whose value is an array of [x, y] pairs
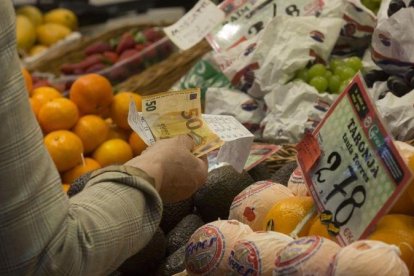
{"points": [[42, 231]]}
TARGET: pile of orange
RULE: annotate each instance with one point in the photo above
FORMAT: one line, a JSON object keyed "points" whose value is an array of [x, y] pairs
{"points": [[88, 130]]}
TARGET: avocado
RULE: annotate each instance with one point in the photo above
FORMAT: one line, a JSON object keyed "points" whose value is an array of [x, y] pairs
{"points": [[173, 213], [182, 232], [260, 172], [175, 263], [213, 200], [283, 174], [147, 260]]}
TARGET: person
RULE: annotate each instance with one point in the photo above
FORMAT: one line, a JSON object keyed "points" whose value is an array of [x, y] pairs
{"points": [[42, 231]]}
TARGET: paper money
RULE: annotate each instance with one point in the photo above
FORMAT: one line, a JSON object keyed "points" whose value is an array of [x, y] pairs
{"points": [[176, 113]]}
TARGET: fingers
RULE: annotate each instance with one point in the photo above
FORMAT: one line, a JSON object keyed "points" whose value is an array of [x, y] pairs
{"points": [[187, 141]]}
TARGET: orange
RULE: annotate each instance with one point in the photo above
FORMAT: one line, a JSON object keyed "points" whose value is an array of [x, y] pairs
{"points": [[65, 148], [405, 204], [92, 130], [87, 165], [45, 94], [287, 213], [36, 105], [136, 143], [115, 151], [319, 229], [116, 132], [120, 108], [92, 94], [58, 114], [397, 230], [65, 187], [27, 80]]}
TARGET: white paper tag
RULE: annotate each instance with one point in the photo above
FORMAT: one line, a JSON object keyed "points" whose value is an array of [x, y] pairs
{"points": [[139, 125], [195, 24], [238, 140]]}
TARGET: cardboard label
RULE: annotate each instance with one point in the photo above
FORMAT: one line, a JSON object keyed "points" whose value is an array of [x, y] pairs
{"points": [[359, 174], [195, 25]]}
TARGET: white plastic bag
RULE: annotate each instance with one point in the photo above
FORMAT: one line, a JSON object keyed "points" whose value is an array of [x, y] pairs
{"points": [[292, 109], [225, 101], [286, 45], [392, 40]]}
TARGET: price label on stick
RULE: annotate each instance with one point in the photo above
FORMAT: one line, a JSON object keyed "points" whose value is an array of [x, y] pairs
{"points": [[358, 173]]}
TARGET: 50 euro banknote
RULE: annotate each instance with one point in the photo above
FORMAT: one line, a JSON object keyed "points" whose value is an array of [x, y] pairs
{"points": [[174, 113]]}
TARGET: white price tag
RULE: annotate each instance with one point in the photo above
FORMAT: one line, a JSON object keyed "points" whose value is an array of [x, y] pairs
{"points": [[237, 140], [351, 166], [195, 24]]}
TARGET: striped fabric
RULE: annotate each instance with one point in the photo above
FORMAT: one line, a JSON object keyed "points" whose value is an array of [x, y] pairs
{"points": [[42, 232]]}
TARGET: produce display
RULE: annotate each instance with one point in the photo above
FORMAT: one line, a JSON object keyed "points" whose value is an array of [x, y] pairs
{"points": [[36, 31], [279, 79], [138, 48], [82, 134]]}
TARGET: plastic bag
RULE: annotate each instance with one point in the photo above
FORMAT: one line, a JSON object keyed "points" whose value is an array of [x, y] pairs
{"points": [[293, 109], [245, 109], [392, 40], [286, 45]]}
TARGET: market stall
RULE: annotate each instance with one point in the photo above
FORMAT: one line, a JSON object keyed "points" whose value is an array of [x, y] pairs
{"points": [[304, 109]]}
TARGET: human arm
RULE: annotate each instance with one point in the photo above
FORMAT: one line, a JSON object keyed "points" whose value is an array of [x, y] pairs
{"points": [[41, 230]]}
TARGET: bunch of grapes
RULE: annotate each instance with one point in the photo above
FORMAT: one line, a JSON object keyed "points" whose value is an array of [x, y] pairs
{"points": [[332, 79]]}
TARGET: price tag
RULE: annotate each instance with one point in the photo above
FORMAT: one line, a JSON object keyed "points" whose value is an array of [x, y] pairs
{"points": [[195, 24], [359, 174], [246, 18]]}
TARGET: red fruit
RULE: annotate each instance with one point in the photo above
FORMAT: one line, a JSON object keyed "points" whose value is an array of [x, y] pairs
{"points": [[111, 57], [152, 35], [140, 47], [128, 54], [97, 48], [126, 42], [95, 68], [79, 68], [249, 213]]}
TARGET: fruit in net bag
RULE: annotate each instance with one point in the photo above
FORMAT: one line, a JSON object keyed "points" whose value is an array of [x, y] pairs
{"points": [[306, 256], [253, 203], [366, 257], [256, 253], [209, 248]]}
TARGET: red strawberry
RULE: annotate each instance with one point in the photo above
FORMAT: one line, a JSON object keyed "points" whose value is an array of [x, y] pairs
{"points": [[127, 54], [126, 42], [152, 34], [97, 48], [95, 68], [111, 57]]}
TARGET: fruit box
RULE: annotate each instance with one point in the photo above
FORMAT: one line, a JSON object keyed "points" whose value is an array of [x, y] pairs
{"points": [[116, 54]]}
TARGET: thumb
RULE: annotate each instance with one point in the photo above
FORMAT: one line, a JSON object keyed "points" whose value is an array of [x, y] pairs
{"points": [[187, 141]]}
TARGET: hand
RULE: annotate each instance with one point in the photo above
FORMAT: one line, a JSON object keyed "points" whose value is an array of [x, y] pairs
{"points": [[176, 171]]}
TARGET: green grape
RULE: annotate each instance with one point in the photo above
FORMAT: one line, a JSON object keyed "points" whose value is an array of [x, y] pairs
{"points": [[320, 83], [346, 73], [334, 63], [316, 70], [302, 74], [334, 84], [343, 85], [354, 62], [328, 74]]}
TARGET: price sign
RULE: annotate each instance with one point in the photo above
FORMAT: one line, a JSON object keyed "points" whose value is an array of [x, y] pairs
{"points": [[246, 18], [358, 173]]}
